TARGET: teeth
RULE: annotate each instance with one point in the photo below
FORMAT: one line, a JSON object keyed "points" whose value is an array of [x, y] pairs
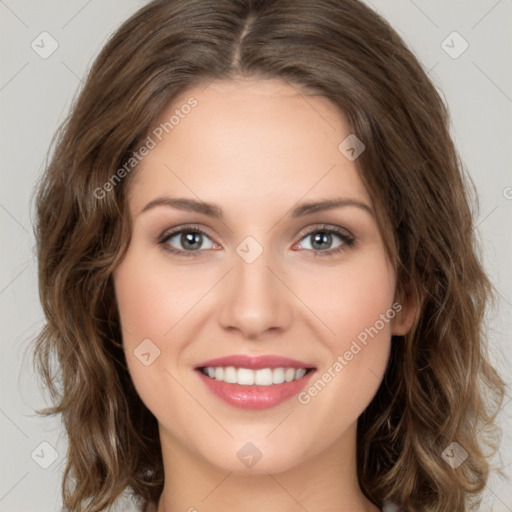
{"points": [[219, 373], [300, 373], [289, 374], [263, 377], [245, 377], [229, 375], [278, 376], [248, 377]]}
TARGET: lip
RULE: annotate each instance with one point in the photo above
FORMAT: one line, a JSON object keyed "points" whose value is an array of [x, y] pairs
{"points": [[255, 397], [255, 362]]}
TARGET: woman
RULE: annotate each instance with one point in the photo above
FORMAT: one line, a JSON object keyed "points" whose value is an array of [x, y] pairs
{"points": [[212, 353]]}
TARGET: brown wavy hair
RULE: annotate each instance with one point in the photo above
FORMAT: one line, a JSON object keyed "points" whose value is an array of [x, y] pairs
{"points": [[439, 386]]}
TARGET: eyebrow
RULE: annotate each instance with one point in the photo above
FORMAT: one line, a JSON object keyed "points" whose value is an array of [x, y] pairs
{"points": [[214, 211]]}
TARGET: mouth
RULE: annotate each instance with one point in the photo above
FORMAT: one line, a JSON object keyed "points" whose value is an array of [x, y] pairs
{"points": [[249, 377], [254, 383]]}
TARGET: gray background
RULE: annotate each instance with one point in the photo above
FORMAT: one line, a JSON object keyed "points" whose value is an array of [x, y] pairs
{"points": [[35, 94]]}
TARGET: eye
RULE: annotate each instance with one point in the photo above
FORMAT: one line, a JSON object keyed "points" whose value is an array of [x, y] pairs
{"points": [[188, 240], [321, 240]]}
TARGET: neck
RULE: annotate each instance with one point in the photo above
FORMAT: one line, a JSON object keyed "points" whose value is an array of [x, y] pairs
{"points": [[326, 482]]}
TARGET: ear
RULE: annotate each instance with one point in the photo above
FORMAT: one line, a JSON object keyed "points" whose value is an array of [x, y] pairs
{"points": [[408, 312]]}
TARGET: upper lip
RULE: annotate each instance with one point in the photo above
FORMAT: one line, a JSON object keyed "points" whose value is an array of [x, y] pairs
{"points": [[255, 362]]}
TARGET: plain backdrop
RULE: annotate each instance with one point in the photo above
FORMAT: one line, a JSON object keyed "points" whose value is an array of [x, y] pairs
{"points": [[36, 91]]}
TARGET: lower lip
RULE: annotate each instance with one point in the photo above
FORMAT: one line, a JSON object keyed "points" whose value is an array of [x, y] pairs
{"points": [[255, 397]]}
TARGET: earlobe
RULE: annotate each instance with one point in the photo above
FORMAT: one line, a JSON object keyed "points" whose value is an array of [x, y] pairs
{"points": [[408, 314]]}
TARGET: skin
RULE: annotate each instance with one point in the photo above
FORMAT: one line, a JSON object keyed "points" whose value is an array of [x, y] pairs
{"points": [[256, 149]]}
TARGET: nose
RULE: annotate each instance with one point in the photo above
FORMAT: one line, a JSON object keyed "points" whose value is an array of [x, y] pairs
{"points": [[255, 299]]}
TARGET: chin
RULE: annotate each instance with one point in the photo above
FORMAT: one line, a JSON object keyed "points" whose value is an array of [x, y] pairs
{"points": [[254, 457]]}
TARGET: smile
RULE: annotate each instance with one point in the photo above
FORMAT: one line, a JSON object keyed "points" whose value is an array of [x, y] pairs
{"points": [[248, 377], [254, 383]]}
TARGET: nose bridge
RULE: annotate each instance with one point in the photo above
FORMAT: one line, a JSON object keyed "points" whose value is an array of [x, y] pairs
{"points": [[256, 300], [252, 268]]}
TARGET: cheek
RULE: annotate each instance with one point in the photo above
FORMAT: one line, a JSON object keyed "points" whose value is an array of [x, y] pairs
{"points": [[153, 297], [351, 297], [143, 301], [356, 304], [156, 303]]}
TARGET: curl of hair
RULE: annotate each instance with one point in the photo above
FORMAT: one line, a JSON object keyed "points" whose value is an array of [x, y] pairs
{"points": [[439, 386]]}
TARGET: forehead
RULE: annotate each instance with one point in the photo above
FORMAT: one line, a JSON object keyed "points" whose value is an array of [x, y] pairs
{"points": [[256, 142]]}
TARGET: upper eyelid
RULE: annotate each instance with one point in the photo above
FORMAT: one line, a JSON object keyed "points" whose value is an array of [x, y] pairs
{"points": [[326, 227], [338, 230], [168, 233]]}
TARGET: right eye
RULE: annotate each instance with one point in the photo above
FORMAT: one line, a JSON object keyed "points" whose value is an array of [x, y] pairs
{"points": [[186, 241]]}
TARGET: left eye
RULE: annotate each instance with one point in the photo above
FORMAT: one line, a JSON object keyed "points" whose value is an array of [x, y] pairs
{"points": [[322, 240]]}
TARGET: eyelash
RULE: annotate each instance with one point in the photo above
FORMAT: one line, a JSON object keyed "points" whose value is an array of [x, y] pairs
{"points": [[348, 240]]}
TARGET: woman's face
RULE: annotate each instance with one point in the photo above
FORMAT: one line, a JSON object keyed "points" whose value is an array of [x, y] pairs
{"points": [[308, 287]]}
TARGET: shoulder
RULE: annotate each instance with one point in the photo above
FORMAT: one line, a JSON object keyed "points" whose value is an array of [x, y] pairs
{"points": [[127, 503], [389, 507]]}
